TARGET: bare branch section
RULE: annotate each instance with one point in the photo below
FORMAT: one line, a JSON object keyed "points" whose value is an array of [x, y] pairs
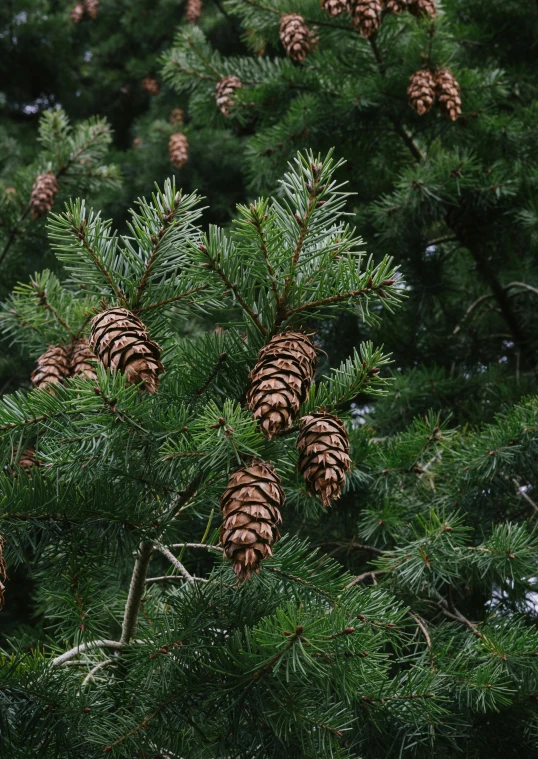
{"points": [[136, 590], [114, 644]]}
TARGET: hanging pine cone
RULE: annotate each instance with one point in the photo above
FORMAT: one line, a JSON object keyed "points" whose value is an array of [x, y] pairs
{"points": [[447, 90], [77, 13], [397, 6], [52, 367], [3, 575], [151, 85], [250, 508], [28, 460], [423, 7], [366, 15], [224, 93], [177, 117], [121, 341], [193, 11], [91, 7], [323, 455], [297, 39], [280, 380], [421, 91], [178, 150], [83, 360], [334, 7], [43, 194]]}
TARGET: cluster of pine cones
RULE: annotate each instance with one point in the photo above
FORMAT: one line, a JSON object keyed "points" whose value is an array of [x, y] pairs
{"points": [[252, 501], [427, 86], [85, 8], [279, 384]]}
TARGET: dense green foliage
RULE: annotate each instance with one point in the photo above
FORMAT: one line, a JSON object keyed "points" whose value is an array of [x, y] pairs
{"points": [[402, 621]]}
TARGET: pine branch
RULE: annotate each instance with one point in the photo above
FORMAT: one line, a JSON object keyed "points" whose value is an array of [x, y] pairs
{"points": [[136, 591], [220, 363], [42, 301], [114, 644], [173, 299], [177, 564]]}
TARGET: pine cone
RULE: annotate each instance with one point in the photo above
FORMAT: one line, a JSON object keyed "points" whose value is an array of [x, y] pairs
{"points": [[250, 508], [52, 367], [178, 150], [366, 15], [297, 39], [151, 85], [397, 6], [91, 7], [83, 360], [421, 91], [323, 455], [280, 381], [137, 143], [193, 11], [334, 7], [77, 13], [28, 460], [120, 340], [177, 117], [3, 575], [447, 90], [43, 194], [224, 93], [420, 7]]}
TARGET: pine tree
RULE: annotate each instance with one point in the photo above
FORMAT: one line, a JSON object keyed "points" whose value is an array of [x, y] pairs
{"points": [[146, 644]]}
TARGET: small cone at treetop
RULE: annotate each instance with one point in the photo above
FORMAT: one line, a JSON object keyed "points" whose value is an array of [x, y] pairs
{"points": [[193, 11], [250, 508], [448, 94], [324, 460], [297, 39], [366, 15], [151, 85], [178, 150], [43, 194], [280, 381], [91, 7], [423, 7], [77, 13], [334, 7], [421, 91], [52, 367], [224, 93], [122, 343], [83, 360]]}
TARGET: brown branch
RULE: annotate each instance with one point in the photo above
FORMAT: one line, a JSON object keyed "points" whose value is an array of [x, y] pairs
{"points": [[365, 575], [234, 288], [177, 564], [136, 591], [220, 361], [172, 300], [43, 301], [81, 235], [330, 300]]}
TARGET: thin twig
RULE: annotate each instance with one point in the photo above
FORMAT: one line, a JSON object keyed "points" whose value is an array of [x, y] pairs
{"points": [[420, 622], [365, 575], [205, 546], [177, 564], [91, 673], [115, 644]]}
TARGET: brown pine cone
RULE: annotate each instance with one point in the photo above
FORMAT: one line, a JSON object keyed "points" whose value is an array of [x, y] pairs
{"points": [[397, 6], [151, 85], [28, 460], [280, 380], [43, 194], [178, 150], [83, 360], [177, 117], [250, 508], [324, 461], [421, 91], [193, 11], [77, 13], [423, 7], [447, 90], [91, 7], [3, 574], [224, 93], [334, 7], [297, 39], [366, 15], [52, 367], [122, 343]]}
